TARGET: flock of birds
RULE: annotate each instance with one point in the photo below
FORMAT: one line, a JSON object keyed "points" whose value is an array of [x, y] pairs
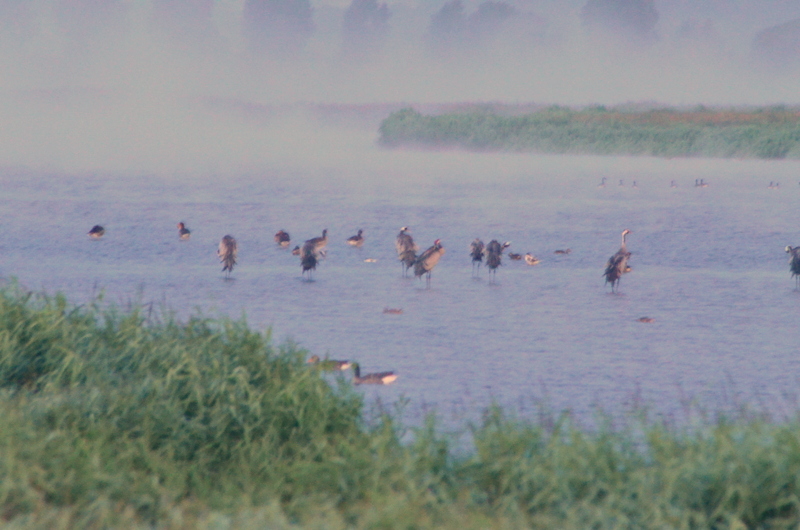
{"points": [[423, 264]]}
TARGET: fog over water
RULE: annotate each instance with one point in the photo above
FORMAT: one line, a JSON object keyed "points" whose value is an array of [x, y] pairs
{"points": [[137, 118]]}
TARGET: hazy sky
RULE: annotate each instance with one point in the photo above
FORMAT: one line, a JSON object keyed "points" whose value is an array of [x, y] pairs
{"points": [[116, 88]]}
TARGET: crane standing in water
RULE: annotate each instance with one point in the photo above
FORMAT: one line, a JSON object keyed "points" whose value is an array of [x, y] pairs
{"points": [[428, 260], [617, 264], [476, 253], [227, 254], [312, 249], [406, 249], [494, 255], [794, 264]]}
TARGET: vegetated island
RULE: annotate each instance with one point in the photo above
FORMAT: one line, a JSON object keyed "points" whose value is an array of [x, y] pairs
{"points": [[116, 419], [764, 132]]}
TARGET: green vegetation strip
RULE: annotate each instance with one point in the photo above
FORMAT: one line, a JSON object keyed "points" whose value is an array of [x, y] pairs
{"points": [[767, 133], [112, 419]]}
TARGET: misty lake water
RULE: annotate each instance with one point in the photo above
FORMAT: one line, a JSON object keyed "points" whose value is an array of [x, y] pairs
{"points": [[708, 265]]}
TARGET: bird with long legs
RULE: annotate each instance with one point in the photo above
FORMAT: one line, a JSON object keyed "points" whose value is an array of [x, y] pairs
{"points": [[476, 253], [617, 264], [356, 240], [794, 264], [427, 261], [378, 378], [227, 251], [494, 256], [282, 238], [311, 251], [183, 232], [406, 249]]}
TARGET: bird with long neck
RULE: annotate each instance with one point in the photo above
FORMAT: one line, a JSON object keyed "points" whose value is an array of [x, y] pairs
{"points": [[617, 264], [378, 378], [428, 260], [494, 255], [227, 252], [476, 253], [794, 264], [311, 251], [406, 249]]}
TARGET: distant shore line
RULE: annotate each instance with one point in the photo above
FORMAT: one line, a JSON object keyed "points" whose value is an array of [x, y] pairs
{"points": [[732, 132]]}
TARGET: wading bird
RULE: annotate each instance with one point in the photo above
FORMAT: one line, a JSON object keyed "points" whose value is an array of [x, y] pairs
{"points": [[428, 260], [97, 232], [602, 183], [227, 254], [476, 253], [494, 255], [183, 232], [312, 250], [618, 263], [329, 365], [379, 378], [794, 264], [356, 240], [282, 238], [406, 249]]}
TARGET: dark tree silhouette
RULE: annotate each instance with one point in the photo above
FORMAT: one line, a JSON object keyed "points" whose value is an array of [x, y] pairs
{"points": [[279, 27], [365, 27], [629, 19]]}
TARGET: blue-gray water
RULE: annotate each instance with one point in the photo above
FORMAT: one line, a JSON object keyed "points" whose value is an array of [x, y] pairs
{"points": [[708, 265]]}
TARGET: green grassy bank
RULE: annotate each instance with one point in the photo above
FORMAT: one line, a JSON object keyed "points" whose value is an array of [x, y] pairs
{"points": [[112, 419], [766, 133]]}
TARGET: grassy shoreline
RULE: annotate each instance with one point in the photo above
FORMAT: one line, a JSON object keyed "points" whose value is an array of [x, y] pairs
{"points": [[110, 419], [763, 133]]}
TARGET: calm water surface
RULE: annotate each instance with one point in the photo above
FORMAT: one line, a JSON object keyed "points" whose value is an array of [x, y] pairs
{"points": [[708, 266]]}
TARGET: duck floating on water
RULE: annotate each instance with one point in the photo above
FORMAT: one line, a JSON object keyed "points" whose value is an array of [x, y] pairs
{"points": [[329, 365], [183, 232], [97, 232], [379, 378]]}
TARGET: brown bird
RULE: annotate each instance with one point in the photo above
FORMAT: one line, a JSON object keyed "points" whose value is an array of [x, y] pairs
{"points": [[282, 238], [617, 264], [494, 255], [227, 254], [425, 263], [476, 253], [794, 263], [97, 232], [183, 232], [356, 240], [312, 250], [406, 249], [329, 365], [379, 378], [565, 251], [514, 256]]}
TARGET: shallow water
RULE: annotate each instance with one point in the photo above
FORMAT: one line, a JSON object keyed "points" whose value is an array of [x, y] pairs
{"points": [[708, 266]]}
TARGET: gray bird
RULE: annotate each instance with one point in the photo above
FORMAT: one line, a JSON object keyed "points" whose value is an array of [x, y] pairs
{"points": [[476, 253], [617, 264], [428, 260], [379, 378], [282, 238], [311, 251], [406, 249], [494, 255], [356, 240], [227, 254], [794, 264]]}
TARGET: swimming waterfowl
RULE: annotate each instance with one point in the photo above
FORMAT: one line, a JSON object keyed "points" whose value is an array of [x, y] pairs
{"points": [[379, 378], [530, 259], [282, 238], [296, 251], [564, 251], [356, 240], [227, 252], [392, 311], [183, 232], [514, 256], [646, 320], [329, 365], [97, 232]]}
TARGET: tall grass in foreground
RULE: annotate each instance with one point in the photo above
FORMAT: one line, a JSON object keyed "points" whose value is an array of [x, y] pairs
{"points": [[766, 133], [110, 420]]}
